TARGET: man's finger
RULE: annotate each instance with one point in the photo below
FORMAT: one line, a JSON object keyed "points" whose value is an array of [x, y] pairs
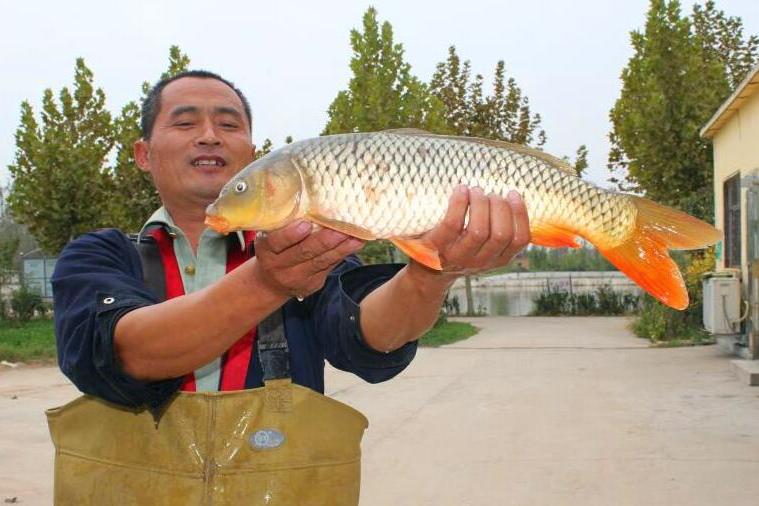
{"points": [[317, 244], [333, 256], [477, 229], [501, 229], [279, 240], [522, 234], [448, 231]]}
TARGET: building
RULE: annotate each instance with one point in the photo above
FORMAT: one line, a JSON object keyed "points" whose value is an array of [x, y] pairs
{"points": [[734, 132]]}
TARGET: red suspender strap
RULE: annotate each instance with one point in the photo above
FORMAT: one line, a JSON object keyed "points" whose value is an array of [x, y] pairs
{"points": [[237, 358], [174, 286]]}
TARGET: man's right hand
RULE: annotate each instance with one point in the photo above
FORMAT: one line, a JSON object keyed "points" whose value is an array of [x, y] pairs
{"points": [[294, 261]]}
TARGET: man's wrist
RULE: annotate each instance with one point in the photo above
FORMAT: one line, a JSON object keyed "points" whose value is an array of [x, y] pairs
{"points": [[429, 281]]}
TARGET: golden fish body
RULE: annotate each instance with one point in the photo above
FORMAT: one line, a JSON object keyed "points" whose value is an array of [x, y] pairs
{"points": [[397, 184]]}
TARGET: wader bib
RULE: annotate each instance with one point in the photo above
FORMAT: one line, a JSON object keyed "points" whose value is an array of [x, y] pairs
{"points": [[282, 444]]}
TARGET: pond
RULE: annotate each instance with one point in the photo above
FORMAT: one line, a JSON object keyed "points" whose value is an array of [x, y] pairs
{"points": [[514, 296]]}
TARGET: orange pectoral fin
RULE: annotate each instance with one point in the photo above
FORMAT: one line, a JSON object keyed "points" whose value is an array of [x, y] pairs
{"points": [[420, 250], [552, 236], [342, 226]]}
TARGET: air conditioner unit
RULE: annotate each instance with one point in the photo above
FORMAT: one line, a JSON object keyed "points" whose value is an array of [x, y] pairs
{"points": [[722, 302]]}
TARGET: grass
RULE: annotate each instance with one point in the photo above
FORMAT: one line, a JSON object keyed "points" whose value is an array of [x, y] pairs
{"points": [[32, 341], [447, 333]]}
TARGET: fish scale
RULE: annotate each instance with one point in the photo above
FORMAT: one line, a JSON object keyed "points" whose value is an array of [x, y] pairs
{"points": [[370, 179]]}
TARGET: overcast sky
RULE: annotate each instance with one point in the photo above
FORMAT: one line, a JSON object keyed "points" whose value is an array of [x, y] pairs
{"points": [[291, 57]]}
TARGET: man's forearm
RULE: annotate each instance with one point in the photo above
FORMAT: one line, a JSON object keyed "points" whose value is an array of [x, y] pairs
{"points": [[170, 339], [402, 309]]}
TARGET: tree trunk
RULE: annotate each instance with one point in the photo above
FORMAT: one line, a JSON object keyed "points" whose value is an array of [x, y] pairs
{"points": [[470, 310]]}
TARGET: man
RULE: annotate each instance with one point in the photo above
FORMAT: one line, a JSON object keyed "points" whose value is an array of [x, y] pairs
{"points": [[119, 343]]}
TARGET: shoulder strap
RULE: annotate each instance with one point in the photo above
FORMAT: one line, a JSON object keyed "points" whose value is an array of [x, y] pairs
{"points": [[272, 347], [152, 268]]}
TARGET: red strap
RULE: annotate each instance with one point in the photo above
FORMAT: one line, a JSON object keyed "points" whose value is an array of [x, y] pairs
{"points": [[237, 358], [174, 285]]}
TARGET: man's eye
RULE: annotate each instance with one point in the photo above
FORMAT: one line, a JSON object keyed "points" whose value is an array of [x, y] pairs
{"points": [[183, 124], [229, 125]]}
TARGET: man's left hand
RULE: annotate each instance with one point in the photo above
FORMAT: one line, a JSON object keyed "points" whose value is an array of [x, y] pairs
{"points": [[498, 229]]}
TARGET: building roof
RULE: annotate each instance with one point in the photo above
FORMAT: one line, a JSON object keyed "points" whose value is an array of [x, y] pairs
{"points": [[746, 89]]}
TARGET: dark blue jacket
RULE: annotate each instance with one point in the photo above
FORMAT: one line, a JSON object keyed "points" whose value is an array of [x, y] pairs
{"points": [[105, 266]]}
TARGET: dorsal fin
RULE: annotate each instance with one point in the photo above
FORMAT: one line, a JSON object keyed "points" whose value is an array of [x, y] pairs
{"points": [[558, 163]]}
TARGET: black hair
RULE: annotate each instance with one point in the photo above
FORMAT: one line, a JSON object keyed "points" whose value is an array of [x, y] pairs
{"points": [[151, 106]]}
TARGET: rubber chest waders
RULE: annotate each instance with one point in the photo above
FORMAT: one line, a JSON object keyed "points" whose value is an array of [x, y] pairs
{"points": [[281, 444]]}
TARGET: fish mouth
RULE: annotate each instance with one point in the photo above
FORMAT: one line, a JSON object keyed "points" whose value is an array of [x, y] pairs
{"points": [[218, 223]]}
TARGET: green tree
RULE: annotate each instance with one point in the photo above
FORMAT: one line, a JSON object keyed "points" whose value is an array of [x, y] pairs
{"points": [[581, 160], [382, 92], [134, 195], [677, 77], [60, 176], [504, 115], [722, 39]]}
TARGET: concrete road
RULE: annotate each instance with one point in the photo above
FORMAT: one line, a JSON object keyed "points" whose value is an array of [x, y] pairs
{"points": [[531, 411]]}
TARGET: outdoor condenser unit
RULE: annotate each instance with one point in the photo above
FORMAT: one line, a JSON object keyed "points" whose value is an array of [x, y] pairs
{"points": [[722, 303]]}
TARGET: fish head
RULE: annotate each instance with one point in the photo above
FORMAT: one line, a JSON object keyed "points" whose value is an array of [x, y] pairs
{"points": [[264, 195]]}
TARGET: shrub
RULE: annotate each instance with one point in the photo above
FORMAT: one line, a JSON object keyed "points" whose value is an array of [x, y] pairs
{"points": [[25, 303]]}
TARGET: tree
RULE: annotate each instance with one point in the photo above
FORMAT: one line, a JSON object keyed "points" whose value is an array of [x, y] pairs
{"points": [[504, 115], [581, 160], [679, 74], [721, 39], [60, 178], [134, 195], [382, 93]]}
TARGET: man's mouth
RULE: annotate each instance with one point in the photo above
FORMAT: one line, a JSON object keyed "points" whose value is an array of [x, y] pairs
{"points": [[209, 161]]}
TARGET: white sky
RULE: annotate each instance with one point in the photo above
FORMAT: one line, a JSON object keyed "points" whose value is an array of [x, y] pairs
{"points": [[291, 57]]}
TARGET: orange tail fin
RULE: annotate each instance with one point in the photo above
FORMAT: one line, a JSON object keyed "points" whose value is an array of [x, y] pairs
{"points": [[644, 257]]}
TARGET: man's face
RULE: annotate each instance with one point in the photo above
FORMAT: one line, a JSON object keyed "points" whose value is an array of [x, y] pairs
{"points": [[200, 139]]}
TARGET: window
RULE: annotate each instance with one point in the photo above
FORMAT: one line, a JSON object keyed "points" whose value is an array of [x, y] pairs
{"points": [[732, 224]]}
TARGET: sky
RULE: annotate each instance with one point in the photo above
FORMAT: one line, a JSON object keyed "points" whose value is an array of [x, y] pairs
{"points": [[292, 57]]}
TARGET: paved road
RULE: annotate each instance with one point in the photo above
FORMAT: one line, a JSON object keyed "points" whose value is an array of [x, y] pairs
{"points": [[531, 411]]}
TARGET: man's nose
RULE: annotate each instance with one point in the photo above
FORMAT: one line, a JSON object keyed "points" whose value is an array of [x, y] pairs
{"points": [[208, 136]]}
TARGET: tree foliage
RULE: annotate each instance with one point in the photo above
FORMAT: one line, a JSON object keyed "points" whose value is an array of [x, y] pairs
{"points": [[504, 115], [382, 93], [60, 174], [680, 72]]}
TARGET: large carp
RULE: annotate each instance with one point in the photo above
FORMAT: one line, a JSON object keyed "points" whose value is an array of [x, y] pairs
{"points": [[396, 184]]}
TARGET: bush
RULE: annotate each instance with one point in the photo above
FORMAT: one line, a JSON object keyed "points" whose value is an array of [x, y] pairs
{"points": [[604, 301], [551, 302], [26, 303]]}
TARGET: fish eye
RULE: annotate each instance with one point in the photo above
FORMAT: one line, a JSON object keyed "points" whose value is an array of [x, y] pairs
{"points": [[241, 186]]}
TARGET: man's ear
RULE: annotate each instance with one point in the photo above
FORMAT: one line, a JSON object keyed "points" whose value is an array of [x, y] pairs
{"points": [[253, 153], [142, 154]]}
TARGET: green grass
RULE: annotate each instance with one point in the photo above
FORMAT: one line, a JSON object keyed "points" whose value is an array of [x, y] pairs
{"points": [[447, 333], [31, 341]]}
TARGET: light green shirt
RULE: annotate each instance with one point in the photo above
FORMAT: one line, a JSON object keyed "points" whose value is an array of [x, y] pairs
{"points": [[197, 271]]}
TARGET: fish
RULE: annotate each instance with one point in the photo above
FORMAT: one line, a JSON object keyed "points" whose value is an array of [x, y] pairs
{"points": [[396, 184]]}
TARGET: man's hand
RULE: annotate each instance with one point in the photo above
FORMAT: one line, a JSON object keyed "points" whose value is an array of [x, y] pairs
{"points": [[295, 262], [498, 229]]}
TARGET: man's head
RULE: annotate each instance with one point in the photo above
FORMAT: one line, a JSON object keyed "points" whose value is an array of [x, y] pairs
{"points": [[196, 135]]}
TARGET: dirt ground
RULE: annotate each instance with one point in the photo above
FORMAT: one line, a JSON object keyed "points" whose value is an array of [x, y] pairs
{"points": [[531, 411]]}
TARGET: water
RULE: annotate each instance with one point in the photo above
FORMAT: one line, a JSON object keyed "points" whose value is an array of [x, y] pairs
{"points": [[513, 295]]}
